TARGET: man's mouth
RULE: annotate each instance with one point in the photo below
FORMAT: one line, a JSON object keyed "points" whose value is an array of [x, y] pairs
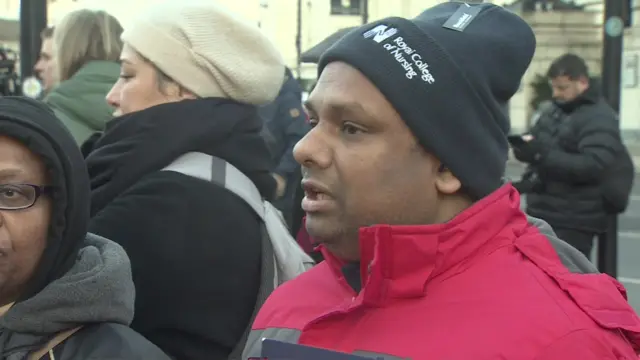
{"points": [[316, 197], [315, 190]]}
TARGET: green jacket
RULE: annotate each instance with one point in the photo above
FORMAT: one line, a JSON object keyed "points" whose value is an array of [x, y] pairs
{"points": [[80, 101]]}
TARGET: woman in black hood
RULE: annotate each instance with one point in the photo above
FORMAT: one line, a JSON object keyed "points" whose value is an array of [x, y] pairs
{"points": [[58, 285], [192, 76]]}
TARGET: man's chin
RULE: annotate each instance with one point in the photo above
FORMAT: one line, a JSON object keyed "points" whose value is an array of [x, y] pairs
{"points": [[332, 235], [320, 228], [560, 101]]}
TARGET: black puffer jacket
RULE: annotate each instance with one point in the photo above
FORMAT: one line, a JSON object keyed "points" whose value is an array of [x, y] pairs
{"points": [[580, 142]]}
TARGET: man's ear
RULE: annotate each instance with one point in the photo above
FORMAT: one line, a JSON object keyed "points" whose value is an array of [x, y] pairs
{"points": [[446, 182]]}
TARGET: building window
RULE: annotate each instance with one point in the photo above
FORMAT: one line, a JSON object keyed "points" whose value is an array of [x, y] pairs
{"points": [[346, 7], [630, 71], [547, 5]]}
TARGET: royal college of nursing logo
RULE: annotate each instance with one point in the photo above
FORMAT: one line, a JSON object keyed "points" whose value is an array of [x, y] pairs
{"points": [[380, 33], [414, 65]]}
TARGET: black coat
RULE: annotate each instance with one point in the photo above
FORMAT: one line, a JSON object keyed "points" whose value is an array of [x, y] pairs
{"points": [[578, 142], [285, 123], [194, 246]]}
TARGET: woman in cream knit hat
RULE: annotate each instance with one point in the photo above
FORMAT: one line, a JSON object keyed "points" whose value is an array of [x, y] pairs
{"points": [[191, 79]]}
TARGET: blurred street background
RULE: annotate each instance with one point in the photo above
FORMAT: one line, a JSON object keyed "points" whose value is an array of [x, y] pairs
{"points": [[297, 26]]}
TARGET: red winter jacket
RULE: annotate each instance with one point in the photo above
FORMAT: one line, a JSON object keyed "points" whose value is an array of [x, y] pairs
{"points": [[486, 285]]}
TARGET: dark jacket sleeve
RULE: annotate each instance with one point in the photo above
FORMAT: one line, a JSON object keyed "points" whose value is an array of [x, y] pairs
{"points": [[195, 257], [598, 141], [291, 115], [107, 341], [529, 181]]}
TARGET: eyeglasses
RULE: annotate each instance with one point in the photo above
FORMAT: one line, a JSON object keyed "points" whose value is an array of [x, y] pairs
{"points": [[20, 196]]}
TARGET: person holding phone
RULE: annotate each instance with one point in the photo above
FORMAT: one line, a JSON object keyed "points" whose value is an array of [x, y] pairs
{"points": [[570, 153]]}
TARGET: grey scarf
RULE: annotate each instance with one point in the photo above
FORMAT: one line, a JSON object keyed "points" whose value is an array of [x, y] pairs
{"points": [[98, 289]]}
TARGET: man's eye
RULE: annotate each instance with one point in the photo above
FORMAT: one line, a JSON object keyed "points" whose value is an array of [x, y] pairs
{"points": [[351, 129]]}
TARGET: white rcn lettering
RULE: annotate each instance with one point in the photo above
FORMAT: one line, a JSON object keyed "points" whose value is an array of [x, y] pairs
{"points": [[424, 68], [397, 53], [410, 60]]}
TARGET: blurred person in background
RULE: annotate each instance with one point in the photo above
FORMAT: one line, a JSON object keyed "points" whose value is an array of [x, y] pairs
{"points": [[9, 68], [45, 67], [64, 294], [192, 77], [86, 48], [285, 124], [572, 152]]}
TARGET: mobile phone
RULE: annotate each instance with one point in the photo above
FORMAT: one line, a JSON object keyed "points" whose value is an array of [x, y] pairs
{"points": [[516, 140]]}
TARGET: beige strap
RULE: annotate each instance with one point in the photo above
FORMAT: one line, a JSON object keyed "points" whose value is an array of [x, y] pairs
{"points": [[48, 348], [4, 309]]}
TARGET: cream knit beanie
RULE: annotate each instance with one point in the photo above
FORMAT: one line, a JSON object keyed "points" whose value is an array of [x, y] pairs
{"points": [[209, 51]]}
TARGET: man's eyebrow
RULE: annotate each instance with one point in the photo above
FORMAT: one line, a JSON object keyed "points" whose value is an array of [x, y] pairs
{"points": [[350, 106], [340, 106]]}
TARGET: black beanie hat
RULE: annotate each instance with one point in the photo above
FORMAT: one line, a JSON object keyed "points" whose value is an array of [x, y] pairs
{"points": [[449, 73]]}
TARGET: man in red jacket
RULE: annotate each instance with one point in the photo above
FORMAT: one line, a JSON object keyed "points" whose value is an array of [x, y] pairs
{"points": [[428, 255]]}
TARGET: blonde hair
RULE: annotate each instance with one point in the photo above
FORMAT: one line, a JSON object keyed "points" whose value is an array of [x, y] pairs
{"points": [[82, 36]]}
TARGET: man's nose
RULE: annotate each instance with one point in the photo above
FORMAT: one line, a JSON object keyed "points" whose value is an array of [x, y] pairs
{"points": [[312, 150]]}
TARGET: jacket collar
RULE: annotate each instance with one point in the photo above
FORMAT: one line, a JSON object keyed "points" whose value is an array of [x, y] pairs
{"points": [[107, 69], [588, 97], [399, 261]]}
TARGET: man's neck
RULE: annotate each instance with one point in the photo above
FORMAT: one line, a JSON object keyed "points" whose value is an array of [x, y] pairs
{"points": [[451, 207]]}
